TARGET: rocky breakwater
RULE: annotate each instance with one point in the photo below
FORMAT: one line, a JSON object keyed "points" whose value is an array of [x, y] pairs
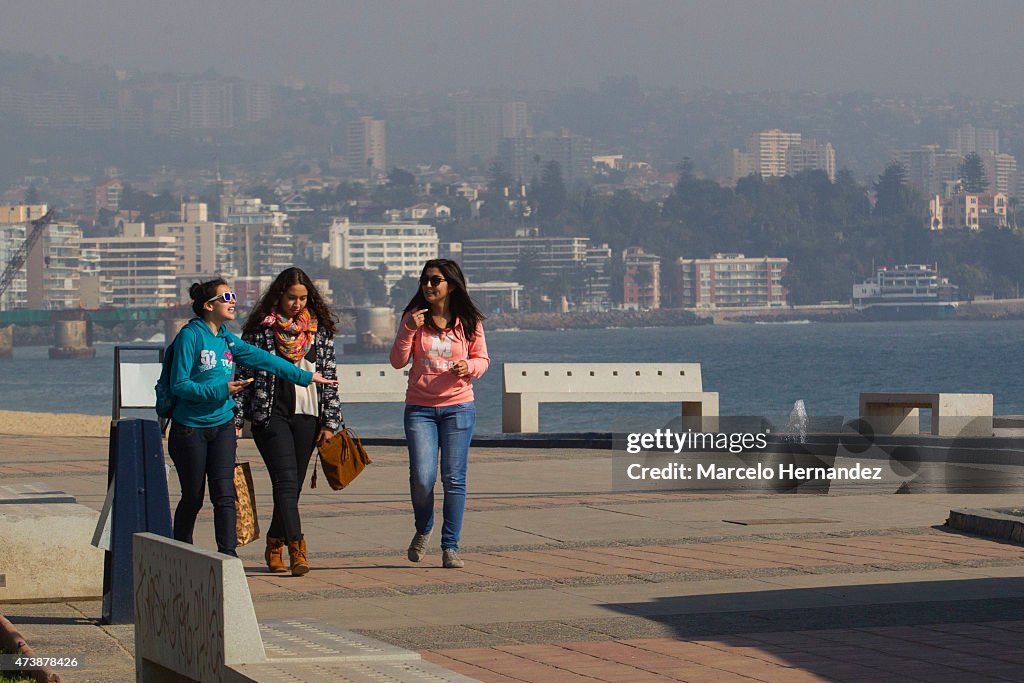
{"points": [[595, 320]]}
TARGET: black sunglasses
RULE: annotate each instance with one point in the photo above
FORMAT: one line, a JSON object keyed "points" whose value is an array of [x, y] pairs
{"points": [[433, 280]]}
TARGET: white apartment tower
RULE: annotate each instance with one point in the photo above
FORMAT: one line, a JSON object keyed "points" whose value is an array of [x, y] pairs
{"points": [[771, 146], [140, 270], [257, 240], [394, 249]]}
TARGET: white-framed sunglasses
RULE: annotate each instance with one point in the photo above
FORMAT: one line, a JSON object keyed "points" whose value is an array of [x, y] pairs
{"points": [[226, 297]]}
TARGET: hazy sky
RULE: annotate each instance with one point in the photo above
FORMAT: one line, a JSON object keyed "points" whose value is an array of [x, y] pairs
{"points": [[927, 46]]}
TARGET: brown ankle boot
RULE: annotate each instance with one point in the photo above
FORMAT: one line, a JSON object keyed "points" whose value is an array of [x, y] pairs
{"points": [[297, 556], [274, 555]]}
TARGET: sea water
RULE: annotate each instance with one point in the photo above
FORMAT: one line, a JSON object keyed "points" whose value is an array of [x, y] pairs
{"points": [[757, 370]]}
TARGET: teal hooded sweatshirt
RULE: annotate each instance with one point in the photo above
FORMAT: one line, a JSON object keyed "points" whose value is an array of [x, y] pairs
{"points": [[201, 366]]}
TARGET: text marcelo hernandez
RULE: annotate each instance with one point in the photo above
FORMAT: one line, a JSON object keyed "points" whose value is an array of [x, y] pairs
{"points": [[711, 471]]}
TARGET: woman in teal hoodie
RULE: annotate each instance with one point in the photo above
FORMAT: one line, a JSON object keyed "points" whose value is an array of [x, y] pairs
{"points": [[202, 437]]}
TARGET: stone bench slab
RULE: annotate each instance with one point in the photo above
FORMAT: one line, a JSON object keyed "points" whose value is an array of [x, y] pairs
{"points": [[953, 414], [46, 552]]}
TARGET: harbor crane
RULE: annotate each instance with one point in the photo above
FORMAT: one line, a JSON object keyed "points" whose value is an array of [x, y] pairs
{"points": [[17, 260]]}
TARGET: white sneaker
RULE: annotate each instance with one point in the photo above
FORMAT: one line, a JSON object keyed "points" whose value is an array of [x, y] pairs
{"points": [[451, 560]]}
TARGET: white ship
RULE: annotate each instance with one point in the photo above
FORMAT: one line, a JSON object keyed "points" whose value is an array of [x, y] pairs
{"points": [[906, 292]]}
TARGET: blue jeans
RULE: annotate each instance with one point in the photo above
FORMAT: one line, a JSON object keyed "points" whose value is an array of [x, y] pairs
{"points": [[451, 429], [201, 454]]}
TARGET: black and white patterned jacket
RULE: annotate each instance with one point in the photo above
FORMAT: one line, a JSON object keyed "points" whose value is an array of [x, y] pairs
{"points": [[255, 403]]}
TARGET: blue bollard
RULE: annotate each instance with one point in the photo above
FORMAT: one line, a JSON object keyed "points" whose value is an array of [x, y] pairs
{"points": [[141, 503]]}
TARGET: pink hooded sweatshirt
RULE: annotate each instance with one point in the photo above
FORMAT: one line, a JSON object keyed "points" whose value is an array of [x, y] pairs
{"points": [[431, 382]]}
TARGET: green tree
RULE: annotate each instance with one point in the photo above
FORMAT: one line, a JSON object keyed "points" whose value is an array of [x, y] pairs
{"points": [[495, 199], [529, 275], [403, 291], [550, 195], [893, 195], [972, 173], [348, 287], [399, 177]]}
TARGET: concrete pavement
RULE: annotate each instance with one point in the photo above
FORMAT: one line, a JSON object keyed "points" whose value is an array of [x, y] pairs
{"points": [[567, 580]]}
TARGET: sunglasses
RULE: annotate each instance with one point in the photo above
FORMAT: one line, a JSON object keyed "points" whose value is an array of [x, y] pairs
{"points": [[433, 280], [226, 297]]}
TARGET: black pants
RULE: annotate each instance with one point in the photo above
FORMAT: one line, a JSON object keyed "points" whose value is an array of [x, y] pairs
{"points": [[199, 454], [286, 445]]}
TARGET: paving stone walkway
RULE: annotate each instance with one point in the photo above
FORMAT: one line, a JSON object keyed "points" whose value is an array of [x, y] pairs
{"points": [[566, 580]]}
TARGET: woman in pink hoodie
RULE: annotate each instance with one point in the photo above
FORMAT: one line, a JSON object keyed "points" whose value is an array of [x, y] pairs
{"points": [[441, 332]]}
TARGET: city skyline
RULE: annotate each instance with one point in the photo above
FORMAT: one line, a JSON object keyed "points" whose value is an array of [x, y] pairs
{"points": [[918, 48]]}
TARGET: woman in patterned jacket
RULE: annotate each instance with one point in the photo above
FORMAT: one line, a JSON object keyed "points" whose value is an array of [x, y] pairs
{"points": [[288, 422]]}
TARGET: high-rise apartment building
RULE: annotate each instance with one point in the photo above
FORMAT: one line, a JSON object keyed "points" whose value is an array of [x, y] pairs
{"points": [[202, 246], [206, 104], [811, 156], [514, 120], [256, 103], [770, 147], [967, 139], [53, 268], [480, 125], [931, 169], [14, 230], [1001, 172], [141, 270], [12, 237], [366, 145], [257, 241], [732, 281], [524, 158], [775, 153]]}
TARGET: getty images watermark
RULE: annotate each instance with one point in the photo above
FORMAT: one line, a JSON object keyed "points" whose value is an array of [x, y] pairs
{"points": [[827, 454]]}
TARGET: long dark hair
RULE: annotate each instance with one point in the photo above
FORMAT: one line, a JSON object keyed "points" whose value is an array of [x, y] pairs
{"points": [[201, 292], [285, 279], [459, 302]]}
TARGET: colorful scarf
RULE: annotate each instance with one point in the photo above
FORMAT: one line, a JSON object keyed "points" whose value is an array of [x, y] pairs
{"points": [[295, 336]]}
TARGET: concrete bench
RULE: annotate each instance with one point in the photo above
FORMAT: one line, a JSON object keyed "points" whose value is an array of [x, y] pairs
{"points": [[526, 385], [371, 383], [952, 414], [194, 621], [365, 383], [46, 552]]}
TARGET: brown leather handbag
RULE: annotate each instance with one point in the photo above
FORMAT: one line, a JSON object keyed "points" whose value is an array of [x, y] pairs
{"points": [[342, 459], [247, 525]]}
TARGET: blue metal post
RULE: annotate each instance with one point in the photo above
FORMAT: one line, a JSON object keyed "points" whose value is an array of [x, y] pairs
{"points": [[141, 503]]}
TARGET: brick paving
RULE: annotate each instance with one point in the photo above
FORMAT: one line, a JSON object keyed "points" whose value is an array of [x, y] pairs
{"points": [[383, 574], [567, 580], [924, 653]]}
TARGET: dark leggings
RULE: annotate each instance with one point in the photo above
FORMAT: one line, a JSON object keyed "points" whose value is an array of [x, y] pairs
{"points": [[201, 454], [286, 444]]}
